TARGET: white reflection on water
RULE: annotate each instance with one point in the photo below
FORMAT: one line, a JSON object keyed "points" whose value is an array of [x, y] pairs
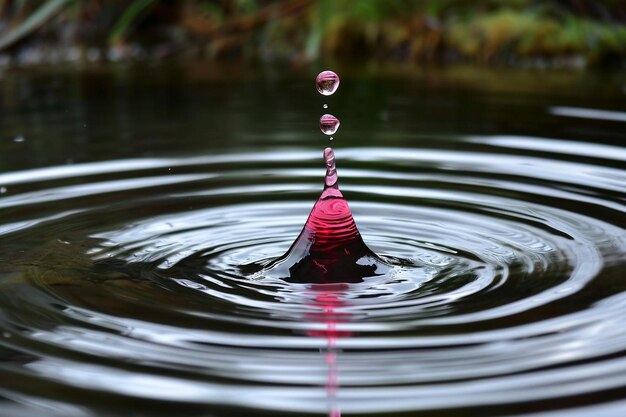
{"points": [[583, 113], [512, 292]]}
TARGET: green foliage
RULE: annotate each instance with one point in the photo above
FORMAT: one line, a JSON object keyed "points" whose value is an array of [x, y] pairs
{"points": [[533, 32], [127, 18], [247, 6], [488, 31], [323, 13]]}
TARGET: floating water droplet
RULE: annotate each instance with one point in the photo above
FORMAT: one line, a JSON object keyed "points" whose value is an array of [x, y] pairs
{"points": [[331, 138], [325, 106], [327, 82], [19, 139], [329, 124], [3, 190]]}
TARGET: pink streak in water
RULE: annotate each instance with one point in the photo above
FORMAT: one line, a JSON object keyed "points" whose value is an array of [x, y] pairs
{"points": [[328, 298]]}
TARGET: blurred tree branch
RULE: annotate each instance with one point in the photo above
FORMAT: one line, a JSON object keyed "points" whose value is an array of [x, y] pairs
{"points": [[41, 15]]}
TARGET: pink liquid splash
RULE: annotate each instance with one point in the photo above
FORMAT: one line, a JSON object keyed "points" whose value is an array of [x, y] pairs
{"points": [[329, 253], [329, 248]]}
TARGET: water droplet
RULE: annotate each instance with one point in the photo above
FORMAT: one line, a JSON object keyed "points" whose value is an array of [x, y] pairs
{"points": [[325, 106], [6, 335], [331, 138], [329, 124], [3, 190], [327, 82], [19, 139]]}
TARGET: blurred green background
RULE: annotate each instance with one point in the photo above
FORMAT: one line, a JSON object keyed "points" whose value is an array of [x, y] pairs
{"points": [[520, 33]]}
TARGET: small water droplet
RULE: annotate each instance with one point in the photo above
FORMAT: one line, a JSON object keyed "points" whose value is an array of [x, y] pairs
{"points": [[327, 82], [331, 138], [329, 124], [19, 139], [6, 335], [325, 106], [3, 190]]}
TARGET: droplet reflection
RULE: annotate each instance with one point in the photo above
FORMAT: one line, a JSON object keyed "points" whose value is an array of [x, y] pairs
{"points": [[329, 124], [327, 82]]}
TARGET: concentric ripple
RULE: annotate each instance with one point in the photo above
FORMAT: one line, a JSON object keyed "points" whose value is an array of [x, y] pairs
{"points": [[123, 281]]}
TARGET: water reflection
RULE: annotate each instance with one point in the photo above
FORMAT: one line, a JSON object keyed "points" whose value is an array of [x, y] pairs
{"points": [[593, 114], [120, 280], [329, 300]]}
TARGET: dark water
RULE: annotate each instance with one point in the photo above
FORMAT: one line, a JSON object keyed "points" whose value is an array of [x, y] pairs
{"points": [[130, 197]]}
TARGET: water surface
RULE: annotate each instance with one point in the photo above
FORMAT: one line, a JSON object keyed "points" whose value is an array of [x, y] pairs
{"points": [[131, 196]]}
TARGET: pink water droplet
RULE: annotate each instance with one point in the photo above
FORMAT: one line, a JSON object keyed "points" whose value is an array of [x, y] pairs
{"points": [[327, 82], [329, 124]]}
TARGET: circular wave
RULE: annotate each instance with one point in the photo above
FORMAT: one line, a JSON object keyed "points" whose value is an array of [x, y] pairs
{"points": [[125, 280]]}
